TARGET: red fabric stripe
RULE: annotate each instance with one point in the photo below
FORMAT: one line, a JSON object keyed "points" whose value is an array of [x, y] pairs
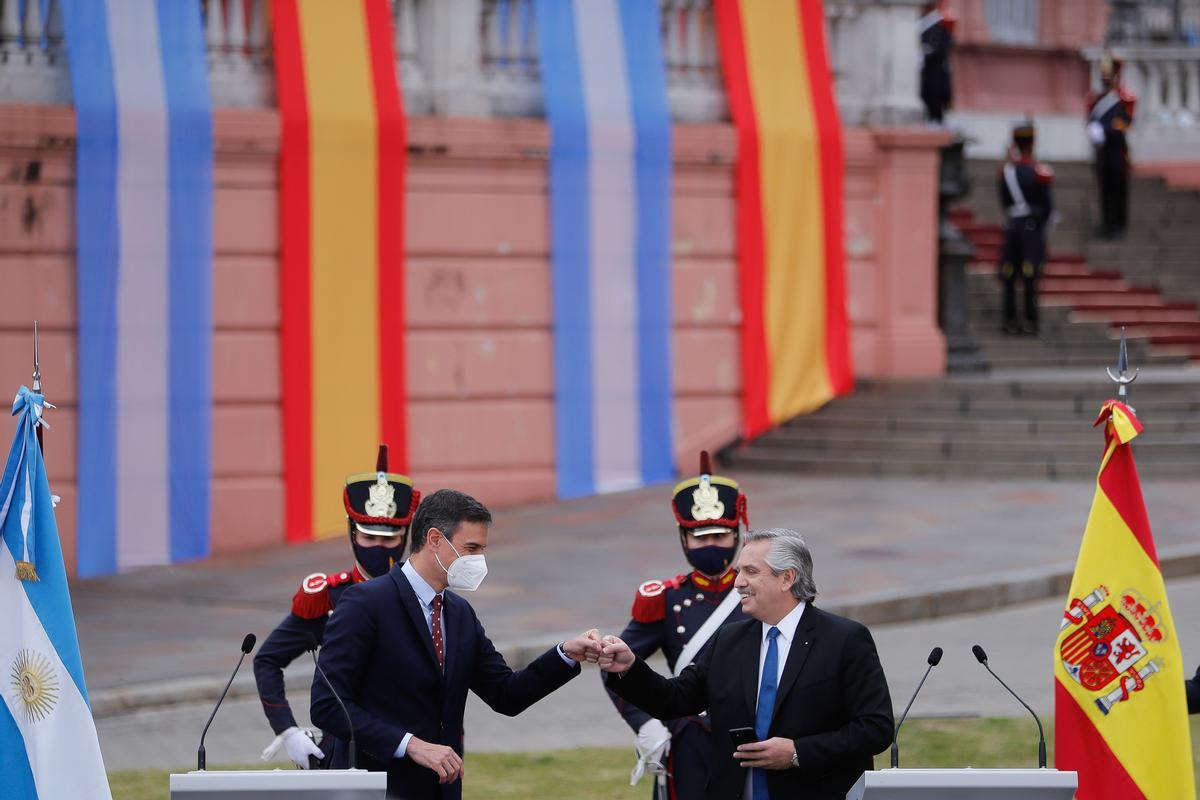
{"points": [[1079, 746], [1120, 483], [389, 112], [756, 368], [838, 360], [295, 346]]}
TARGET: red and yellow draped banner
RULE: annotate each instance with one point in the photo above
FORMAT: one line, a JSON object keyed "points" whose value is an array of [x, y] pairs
{"points": [[342, 167], [795, 338], [1120, 711]]}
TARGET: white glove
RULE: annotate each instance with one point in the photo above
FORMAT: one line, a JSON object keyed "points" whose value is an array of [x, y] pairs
{"points": [[653, 743], [299, 746], [1095, 132]]}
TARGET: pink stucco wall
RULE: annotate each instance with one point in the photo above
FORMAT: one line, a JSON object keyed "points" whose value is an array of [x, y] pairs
{"points": [[479, 342], [1048, 77]]}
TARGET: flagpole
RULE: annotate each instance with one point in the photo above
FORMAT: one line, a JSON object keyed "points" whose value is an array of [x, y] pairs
{"points": [[1122, 377], [37, 383]]}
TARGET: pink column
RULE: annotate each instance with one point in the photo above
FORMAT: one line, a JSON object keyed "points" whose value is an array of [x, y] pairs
{"points": [[891, 247]]}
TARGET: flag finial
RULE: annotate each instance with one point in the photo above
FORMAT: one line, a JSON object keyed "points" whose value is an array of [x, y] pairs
{"points": [[37, 370], [1122, 377]]}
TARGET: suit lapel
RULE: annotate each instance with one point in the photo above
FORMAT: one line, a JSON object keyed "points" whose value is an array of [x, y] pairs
{"points": [[802, 645], [452, 615], [752, 646], [408, 599]]}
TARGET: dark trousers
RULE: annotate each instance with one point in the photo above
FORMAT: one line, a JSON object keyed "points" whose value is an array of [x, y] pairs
{"points": [[1021, 260], [1114, 197]]}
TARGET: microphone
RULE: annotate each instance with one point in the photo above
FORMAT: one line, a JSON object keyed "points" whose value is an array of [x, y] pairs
{"points": [[247, 646], [311, 642], [935, 657], [981, 657]]}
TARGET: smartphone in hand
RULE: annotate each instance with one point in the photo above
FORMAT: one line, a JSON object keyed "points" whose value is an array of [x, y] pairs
{"points": [[741, 736]]}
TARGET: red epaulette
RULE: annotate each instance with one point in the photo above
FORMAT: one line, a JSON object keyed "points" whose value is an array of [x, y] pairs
{"points": [[312, 600], [1044, 173], [650, 602], [1129, 100]]}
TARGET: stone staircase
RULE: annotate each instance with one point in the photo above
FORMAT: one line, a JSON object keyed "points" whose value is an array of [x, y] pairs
{"points": [[1081, 309], [1029, 424], [1031, 415], [1148, 282]]}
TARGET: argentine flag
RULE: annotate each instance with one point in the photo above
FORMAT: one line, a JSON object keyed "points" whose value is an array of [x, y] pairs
{"points": [[48, 744]]}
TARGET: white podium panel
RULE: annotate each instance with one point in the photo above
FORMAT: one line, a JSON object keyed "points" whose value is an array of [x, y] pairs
{"points": [[279, 784], [965, 784]]}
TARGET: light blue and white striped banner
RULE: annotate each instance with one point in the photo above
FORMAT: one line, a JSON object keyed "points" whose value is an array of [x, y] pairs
{"points": [[144, 258], [48, 744], [604, 81]]}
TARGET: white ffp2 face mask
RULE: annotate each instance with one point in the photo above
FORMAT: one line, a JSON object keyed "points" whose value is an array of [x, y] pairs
{"points": [[466, 573]]}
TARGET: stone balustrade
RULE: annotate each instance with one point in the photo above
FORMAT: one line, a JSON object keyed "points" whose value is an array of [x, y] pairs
{"points": [[33, 65], [480, 57], [1166, 80]]}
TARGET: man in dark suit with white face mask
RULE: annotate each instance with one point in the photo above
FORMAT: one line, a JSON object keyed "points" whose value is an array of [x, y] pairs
{"points": [[401, 651], [804, 686]]}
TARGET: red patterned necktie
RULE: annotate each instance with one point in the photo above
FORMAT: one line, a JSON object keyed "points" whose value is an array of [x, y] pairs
{"points": [[439, 647]]}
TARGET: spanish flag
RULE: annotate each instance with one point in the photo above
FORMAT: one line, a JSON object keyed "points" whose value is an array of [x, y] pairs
{"points": [[795, 340], [1120, 712], [342, 276]]}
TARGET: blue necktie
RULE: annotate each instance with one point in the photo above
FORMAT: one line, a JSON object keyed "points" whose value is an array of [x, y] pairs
{"points": [[766, 706]]}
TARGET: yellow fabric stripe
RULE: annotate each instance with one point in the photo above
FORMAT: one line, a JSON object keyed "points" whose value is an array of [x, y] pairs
{"points": [[344, 277], [793, 215], [1148, 733]]}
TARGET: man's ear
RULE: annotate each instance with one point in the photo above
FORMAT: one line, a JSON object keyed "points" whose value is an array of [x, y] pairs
{"points": [[430, 537], [790, 576]]}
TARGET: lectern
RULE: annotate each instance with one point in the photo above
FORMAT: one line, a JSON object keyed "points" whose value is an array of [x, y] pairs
{"points": [[965, 784], [279, 784]]}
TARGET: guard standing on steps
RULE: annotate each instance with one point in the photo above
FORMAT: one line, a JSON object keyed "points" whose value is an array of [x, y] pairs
{"points": [[1110, 114], [379, 508], [678, 617], [1028, 205], [936, 31]]}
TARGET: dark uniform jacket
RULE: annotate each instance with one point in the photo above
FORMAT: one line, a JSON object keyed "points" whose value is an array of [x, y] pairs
{"points": [[937, 41], [1113, 109], [1192, 690], [666, 614], [832, 701], [1034, 181], [380, 659], [316, 598]]}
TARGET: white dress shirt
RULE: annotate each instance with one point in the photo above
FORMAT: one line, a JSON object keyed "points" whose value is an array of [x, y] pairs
{"points": [[425, 595], [783, 645]]}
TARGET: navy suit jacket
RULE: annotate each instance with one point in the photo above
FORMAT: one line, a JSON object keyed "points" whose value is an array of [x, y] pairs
{"points": [[832, 702], [379, 657]]}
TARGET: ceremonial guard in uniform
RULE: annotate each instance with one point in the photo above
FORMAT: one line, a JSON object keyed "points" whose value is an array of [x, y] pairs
{"points": [[1110, 113], [936, 30], [1028, 205], [379, 507], [678, 617]]}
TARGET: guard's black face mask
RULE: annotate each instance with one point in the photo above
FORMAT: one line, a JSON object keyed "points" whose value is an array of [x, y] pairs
{"points": [[711, 559], [376, 559]]}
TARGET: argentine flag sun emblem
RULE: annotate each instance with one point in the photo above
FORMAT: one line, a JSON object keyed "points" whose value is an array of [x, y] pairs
{"points": [[35, 685]]}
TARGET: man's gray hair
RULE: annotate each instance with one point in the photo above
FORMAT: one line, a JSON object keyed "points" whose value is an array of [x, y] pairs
{"points": [[788, 551]]}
